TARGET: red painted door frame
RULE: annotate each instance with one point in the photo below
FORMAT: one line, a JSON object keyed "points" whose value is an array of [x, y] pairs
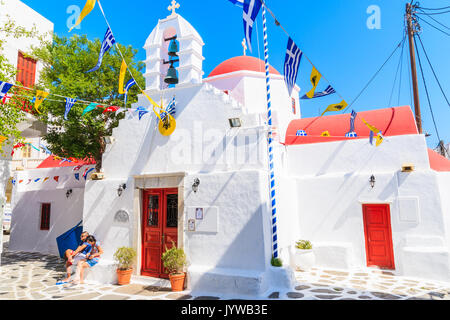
{"points": [[378, 236], [159, 229]]}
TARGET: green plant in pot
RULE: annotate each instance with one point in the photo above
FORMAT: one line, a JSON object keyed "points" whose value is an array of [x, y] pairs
{"points": [[304, 255], [125, 257], [174, 260]]}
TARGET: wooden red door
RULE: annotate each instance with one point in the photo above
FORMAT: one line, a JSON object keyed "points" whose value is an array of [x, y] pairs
{"points": [[378, 234], [159, 229]]}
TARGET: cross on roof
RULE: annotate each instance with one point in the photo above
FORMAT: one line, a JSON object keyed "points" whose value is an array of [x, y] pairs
{"points": [[174, 6], [244, 45]]}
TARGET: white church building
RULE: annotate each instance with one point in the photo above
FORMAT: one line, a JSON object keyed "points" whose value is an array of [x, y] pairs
{"points": [[154, 185]]}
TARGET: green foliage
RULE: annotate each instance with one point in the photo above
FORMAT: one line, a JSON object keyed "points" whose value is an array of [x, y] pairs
{"points": [[66, 61], [174, 259], [125, 258], [276, 262], [303, 244]]}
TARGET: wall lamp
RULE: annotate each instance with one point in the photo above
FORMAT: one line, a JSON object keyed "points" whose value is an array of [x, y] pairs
{"points": [[121, 188], [372, 181], [68, 193], [195, 185], [235, 122]]}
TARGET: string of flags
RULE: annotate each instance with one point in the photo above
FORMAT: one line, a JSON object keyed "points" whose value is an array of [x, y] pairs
{"points": [[57, 179], [351, 133], [292, 61]]}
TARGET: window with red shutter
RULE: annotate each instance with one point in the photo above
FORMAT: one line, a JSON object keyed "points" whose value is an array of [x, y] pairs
{"points": [[45, 216], [26, 70]]}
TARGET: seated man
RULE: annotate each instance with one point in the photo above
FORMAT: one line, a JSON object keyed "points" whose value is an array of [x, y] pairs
{"points": [[73, 257], [91, 260]]}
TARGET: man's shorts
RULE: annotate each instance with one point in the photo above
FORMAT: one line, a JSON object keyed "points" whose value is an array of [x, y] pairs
{"points": [[92, 262], [78, 257]]}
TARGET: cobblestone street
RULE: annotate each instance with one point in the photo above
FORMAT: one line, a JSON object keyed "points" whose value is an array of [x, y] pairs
{"points": [[32, 276]]}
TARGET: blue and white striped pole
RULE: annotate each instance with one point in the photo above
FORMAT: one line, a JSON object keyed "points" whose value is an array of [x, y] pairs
{"points": [[270, 141]]}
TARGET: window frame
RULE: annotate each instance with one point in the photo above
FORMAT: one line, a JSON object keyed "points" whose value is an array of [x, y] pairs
{"points": [[44, 224]]}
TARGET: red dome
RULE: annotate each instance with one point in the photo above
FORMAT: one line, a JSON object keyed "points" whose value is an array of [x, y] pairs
{"points": [[241, 63]]}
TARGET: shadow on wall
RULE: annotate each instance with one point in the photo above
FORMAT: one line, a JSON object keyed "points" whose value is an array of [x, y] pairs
{"points": [[241, 255], [150, 140], [25, 225], [107, 230]]}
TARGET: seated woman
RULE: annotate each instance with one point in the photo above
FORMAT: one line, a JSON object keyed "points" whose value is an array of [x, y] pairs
{"points": [[73, 257], [91, 260]]}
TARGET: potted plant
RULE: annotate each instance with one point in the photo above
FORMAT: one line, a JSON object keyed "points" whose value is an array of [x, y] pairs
{"points": [[304, 255], [174, 260], [125, 257]]}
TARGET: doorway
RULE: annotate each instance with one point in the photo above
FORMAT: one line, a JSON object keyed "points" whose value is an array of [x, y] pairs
{"points": [[378, 235], [159, 229]]}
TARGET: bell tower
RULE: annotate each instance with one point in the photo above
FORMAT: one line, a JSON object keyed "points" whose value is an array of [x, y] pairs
{"points": [[163, 64]]}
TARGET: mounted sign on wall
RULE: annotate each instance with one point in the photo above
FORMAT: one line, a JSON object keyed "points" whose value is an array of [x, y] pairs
{"points": [[191, 225], [199, 213], [122, 216]]}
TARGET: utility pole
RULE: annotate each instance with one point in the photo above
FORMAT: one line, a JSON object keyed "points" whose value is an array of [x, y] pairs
{"points": [[411, 32]]}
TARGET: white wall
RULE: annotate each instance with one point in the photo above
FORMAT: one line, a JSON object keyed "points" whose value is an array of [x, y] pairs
{"points": [[26, 208], [333, 182]]}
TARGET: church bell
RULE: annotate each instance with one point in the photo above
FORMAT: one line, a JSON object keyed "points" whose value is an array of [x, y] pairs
{"points": [[173, 48], [171, 77]]}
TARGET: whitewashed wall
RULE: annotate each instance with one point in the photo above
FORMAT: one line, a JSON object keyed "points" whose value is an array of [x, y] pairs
{"points": [[332, 188], [26, 213]]}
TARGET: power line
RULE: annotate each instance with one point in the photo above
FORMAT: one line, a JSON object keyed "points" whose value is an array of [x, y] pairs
{"points": [[426, 90], [396, 74], [444, 8], [435, 13], [422, 19], [433, 19], [434, 73], [376, 73]]}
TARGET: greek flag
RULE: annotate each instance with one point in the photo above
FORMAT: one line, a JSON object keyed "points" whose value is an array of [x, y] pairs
{"points": [[251, 10], [352, 133], [329, 90], [69, 104], [170, 109], [239, 3], [107, 43], [128, 86], [4, 88], [291, 64]]}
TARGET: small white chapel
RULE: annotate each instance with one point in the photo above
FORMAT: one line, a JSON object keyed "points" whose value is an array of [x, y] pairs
{"points": [[205, 187]]}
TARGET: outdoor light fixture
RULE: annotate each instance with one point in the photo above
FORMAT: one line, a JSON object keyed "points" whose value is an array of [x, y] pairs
{"points": [[68, 193], [109, 140], [121, 188], [372, 181], [195, 185], [235, 122]]}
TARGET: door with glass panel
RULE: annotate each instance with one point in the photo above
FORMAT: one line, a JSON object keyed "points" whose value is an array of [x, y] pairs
{"points": [[159, 229]]}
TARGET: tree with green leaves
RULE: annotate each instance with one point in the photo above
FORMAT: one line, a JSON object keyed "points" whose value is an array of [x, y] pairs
{"points": [[66, 62]]}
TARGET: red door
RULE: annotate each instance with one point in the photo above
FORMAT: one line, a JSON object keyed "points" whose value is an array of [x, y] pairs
{"points": [[377, 230], [159, 229]]}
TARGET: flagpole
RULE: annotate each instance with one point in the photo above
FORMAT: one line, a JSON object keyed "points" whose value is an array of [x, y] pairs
{"points": [[270, 142]]}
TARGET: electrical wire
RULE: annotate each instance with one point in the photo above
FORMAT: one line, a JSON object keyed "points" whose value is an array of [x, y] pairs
{"points": [[432, 69], [422, 19], [376, 73], [426, 90], [396, 74], [444, 8], [423, 12], [435, 13]]}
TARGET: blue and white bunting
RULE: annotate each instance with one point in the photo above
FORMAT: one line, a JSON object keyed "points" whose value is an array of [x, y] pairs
{"points": [[107, 43], [69, 104], [251, 10], [4, 88], [239, 3], [329, 90], [291, 64], [85, 174], [128, 86], [77, 176]]}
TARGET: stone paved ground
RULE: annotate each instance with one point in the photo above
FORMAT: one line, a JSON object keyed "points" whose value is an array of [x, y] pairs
{"points": [[32, 276]]}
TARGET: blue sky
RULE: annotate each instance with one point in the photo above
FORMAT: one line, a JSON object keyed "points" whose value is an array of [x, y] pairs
{"points": [[333, 35]]}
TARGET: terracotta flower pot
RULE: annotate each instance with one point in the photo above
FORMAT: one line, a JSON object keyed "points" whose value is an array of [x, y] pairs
{"points": [[124, 276], [177, 281]]}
